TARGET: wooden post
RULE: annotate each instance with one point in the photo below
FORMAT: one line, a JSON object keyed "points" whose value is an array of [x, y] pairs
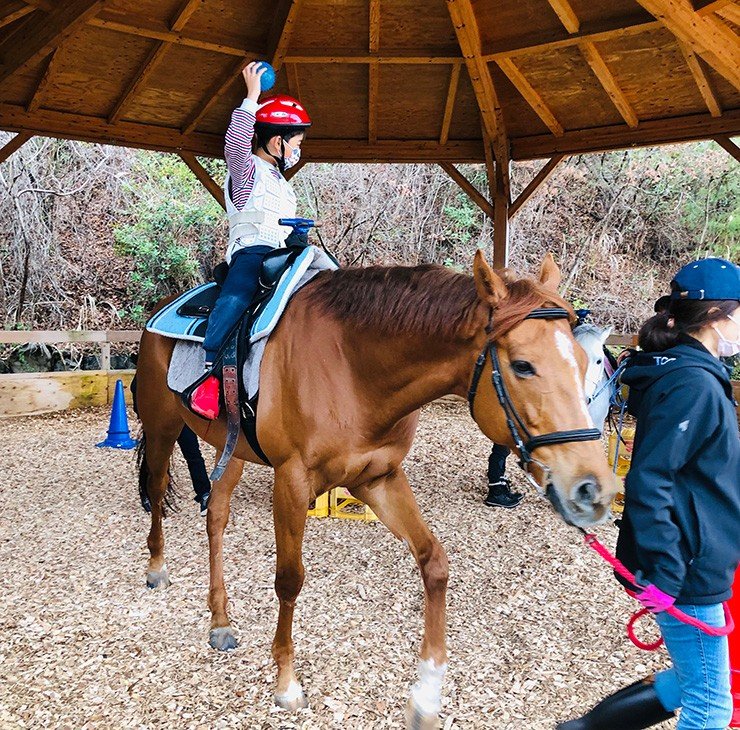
{"points": [[105, 356], [202, 174], [500, 220]]}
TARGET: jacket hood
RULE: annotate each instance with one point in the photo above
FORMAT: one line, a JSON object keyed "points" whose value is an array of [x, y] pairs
{"points": [[645, 368]]}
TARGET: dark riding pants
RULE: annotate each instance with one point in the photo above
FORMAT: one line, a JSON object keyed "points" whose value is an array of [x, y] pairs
{"points": [[236, 294], [497, 463]]}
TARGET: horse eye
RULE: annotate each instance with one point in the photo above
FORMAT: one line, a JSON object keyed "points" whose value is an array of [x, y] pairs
{"points": [[523, 368]]}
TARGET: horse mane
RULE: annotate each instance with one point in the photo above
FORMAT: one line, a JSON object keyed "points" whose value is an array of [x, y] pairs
{"points": [[426, 300]]}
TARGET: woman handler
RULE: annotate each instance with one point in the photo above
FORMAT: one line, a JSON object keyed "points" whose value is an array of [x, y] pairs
{"points": [[680, 533]]}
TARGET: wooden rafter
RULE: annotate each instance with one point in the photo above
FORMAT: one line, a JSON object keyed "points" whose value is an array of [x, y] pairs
{"points": [[282, 30], [450, 103], [152, 61], [468, 37], [729, 146], [731, 12], [293, 171], [547, 169], [542, 43], [473, 193], [373, 73], [42, 33], [566, 14], [14, 145], [364, 57], [703, 82], [19, 12], [202, 174], [607, 80], [705, 7], [374, 44], [530, 95], [38, 95], [294, 86], [213, 95], [706, 35]]}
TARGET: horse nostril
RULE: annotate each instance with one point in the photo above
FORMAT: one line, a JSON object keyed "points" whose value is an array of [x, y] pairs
{"points": [[585, 493]]}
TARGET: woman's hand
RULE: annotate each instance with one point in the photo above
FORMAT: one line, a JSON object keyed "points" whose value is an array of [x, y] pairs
{"points": [[252, 74], [654, 599]]}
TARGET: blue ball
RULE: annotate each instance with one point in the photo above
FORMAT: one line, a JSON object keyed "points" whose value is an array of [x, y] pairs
{"points": [[267, 80]]}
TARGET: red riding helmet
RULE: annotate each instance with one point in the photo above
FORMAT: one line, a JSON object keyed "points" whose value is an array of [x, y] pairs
{"points": [[282, 111]]}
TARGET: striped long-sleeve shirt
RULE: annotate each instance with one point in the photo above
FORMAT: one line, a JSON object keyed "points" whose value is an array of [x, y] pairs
{"points": [[238, 152]]}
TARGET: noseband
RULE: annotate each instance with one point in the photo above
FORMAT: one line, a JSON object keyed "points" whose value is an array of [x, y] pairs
{"points": [[524, 441]]}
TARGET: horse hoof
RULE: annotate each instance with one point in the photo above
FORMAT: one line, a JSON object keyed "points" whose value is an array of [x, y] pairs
{"points": [[293, 699], [223, 639], [418, 720], [157, 579]]}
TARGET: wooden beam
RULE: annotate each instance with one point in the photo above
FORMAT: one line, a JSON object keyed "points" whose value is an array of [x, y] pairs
{"points": [[294, 86], [20, 12], [530, 95], [186, 11], [473, 193], [364, 57], [535, 183], [728, 146], [604, 75], [293, 171], [213, 95], [202, 174], [41, 34], [374, 44], [706, 7], [450, 103], [702, 80], [14, 145], [282, 30], [38, 95], [730, 12], [706, 35], [594, 32], [501, 205], [619, 136], [468, 37], [566, 14]]}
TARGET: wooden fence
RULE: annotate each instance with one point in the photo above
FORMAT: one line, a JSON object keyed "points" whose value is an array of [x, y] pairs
{"points": [[34, 393]]}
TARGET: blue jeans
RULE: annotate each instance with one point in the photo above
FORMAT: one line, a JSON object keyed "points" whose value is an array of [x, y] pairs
{"points": [[236, 295], [699, 682]]}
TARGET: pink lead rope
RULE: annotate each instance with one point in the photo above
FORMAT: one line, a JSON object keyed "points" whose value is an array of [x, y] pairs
{"points": [[593, 542]]}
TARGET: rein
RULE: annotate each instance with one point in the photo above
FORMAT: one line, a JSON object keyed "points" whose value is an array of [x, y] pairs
{"points": [[524, 441]]}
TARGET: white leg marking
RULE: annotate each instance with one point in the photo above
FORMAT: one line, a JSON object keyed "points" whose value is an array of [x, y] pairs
{"points": [[426, 694]]}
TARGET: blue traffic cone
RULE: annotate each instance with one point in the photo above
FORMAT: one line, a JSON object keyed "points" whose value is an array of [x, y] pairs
{"points": [[119, 435]]}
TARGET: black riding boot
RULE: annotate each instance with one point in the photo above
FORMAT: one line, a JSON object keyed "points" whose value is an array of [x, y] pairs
{"points": [[632, 708], [500, 495]]}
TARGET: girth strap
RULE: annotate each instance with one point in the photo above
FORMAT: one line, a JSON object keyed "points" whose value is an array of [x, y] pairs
{"points": [[231, 399]]}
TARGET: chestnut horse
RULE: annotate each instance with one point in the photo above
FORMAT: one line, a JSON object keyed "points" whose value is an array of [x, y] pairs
{"points": [[344, 374]]}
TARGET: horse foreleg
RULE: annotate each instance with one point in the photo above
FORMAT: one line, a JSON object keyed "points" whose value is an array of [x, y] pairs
{"points": [[219, 505], [290, 506], [393, 502]]}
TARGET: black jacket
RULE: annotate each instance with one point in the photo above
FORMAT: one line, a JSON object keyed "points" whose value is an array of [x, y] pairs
{"points": [[681, 524]]}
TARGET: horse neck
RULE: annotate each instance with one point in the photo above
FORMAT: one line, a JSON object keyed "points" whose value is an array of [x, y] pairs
{"points": [[404, 372]]}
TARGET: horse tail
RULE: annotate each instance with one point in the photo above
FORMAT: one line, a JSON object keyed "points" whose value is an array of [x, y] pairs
{"points": [[171, 495]]}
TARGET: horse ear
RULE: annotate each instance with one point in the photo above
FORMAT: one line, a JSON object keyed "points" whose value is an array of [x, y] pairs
{"points": [[605, 334], [490, 286], [549, 273]]}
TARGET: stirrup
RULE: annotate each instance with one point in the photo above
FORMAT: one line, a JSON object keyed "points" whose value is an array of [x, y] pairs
{"points": [[205, 398]]}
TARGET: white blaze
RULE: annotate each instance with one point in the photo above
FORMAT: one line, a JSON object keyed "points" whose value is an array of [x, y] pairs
{"points": [[564, 345]]}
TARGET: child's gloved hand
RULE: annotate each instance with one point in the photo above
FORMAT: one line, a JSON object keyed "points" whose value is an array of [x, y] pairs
{"points": [[654, 599]]}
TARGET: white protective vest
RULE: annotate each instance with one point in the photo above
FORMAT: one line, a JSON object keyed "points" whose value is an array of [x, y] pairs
{"points": [[257, 223]]}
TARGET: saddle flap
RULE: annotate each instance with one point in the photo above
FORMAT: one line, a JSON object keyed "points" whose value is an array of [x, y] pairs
{"points": [[275, 263], [201, 304]]}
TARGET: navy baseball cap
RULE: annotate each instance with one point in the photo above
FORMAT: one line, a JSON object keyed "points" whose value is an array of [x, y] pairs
{"points": [[707, 279]]}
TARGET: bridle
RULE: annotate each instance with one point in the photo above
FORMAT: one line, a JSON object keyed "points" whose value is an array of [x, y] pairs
{"points": [[524, 441]]}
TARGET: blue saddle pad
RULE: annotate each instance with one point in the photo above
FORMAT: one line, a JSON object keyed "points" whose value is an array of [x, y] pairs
{"points": [[170, 321]]}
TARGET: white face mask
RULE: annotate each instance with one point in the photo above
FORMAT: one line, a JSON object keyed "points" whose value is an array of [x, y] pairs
{"points": [[725, 347], [292, 159]]}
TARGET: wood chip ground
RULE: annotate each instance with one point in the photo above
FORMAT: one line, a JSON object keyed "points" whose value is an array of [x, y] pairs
{"points": [[536, 622]]}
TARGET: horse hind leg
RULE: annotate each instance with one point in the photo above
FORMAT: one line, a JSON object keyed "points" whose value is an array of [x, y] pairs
{"points": [[155, 484]]}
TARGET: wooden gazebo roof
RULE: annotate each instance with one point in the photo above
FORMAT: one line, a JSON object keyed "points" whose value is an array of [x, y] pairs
{"points": [[384, 80]]}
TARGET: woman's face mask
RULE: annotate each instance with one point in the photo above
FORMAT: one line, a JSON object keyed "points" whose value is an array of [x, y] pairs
{"points": [[290, 160], [727, 347]]}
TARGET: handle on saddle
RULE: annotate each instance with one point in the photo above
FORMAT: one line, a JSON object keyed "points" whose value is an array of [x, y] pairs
{"points": [[677, 613], [300, 226]]}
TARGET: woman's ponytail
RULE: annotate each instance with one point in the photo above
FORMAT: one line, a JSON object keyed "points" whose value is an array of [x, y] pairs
{"points": [[658, 334]]}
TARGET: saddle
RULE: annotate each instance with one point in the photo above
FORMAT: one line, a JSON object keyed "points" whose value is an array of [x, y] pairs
{"points": [[241, 412]]}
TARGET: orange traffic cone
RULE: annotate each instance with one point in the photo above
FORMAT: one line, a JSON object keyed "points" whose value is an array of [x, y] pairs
{"points": [[734, 640]]}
